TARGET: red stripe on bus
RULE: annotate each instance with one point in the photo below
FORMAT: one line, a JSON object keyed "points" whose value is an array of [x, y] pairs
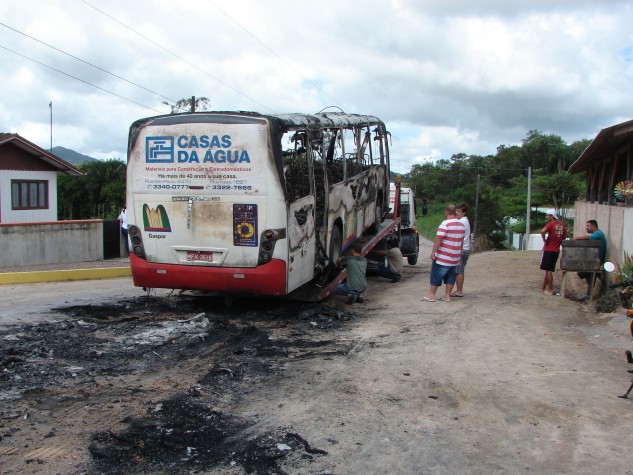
{"points": [[266, 279]]}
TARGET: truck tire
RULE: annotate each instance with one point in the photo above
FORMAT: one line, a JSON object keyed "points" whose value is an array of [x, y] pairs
{"points": [[412, 260]]}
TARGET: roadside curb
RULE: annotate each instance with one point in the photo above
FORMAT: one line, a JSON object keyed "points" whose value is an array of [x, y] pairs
{"points": [[63, 275]]}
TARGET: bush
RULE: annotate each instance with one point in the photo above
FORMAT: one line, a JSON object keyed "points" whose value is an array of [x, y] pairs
{"points": [[497, 238], [609, 302]]}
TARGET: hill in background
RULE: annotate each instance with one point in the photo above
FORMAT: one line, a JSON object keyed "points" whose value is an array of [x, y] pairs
{"points": [[72, 157]]}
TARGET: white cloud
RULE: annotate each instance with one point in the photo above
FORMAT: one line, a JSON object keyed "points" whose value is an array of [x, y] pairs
{"points": [[447, 76]]}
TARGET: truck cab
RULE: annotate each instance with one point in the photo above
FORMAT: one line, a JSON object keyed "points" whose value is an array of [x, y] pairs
{"points": [[409, 238]]}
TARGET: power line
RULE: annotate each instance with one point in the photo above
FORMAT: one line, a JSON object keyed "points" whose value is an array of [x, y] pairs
{"points": [[275, 54], [178, 57], [81, 80], [86, 62]]}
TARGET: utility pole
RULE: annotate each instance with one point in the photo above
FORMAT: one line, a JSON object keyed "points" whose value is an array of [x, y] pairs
{"points": [[476, 214], [193, 103], [50, 106], [529, 206]]}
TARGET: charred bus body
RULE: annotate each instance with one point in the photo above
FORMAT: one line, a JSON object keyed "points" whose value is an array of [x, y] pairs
{"points": [[245, 203]]}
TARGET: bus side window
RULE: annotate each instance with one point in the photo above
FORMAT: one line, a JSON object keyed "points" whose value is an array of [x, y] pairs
{"points": [[296, 167], [365, 149], [334, 157], [318, 168], [352, 150], [378, 147], [353, 168]]}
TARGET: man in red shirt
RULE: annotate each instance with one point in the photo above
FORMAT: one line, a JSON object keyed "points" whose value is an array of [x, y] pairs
{"points": [[553, 234]]}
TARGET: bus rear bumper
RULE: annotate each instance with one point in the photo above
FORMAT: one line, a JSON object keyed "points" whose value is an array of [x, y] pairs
{"points": [[266, 279]]}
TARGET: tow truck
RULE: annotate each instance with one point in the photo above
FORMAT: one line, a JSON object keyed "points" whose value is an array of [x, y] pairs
{"points": [[325, 286], [409, 237]]}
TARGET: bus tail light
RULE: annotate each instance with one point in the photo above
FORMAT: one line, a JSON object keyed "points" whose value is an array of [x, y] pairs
{"points": [[267, 244], [137, 241]]}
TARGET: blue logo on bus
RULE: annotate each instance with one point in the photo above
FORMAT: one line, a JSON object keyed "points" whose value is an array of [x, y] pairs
{"points": [[159, 150]]}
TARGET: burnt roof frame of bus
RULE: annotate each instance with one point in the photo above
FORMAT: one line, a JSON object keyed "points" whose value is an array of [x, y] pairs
{"points": [[280, 123]]}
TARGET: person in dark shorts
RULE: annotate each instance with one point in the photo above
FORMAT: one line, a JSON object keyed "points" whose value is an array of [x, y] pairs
{"points": [[462, 215], [553, 235], [393, 255], [593, 234]]}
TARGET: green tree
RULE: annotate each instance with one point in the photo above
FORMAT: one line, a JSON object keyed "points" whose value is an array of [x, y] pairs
{"points": [[547, 152], [560, 189], [503, 179], [100, 193], [190, 104]]}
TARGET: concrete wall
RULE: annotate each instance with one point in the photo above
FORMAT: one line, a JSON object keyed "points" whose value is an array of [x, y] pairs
{"points": [[24, 244], [615, 221]]}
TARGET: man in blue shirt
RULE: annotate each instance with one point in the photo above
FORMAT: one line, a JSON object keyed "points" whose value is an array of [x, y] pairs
{"points": [[594, 234]]}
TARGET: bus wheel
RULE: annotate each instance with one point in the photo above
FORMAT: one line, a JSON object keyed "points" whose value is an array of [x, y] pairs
{"points": [[228, 300], [335, 247]]}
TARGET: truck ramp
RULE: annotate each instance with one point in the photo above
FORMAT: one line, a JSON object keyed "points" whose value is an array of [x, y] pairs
{"points": [[323, 286]]}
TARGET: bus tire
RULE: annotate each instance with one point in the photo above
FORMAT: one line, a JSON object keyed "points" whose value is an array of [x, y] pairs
{"points": [[335, 247]]}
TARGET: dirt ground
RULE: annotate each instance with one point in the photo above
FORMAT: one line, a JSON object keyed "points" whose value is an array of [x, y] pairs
{"points": [[98, 377]]}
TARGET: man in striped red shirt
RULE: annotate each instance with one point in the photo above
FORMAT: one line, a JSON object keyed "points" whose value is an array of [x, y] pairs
{"points": [[446, 254]]}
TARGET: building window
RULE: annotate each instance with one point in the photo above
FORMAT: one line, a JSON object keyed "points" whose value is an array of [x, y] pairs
{"points": [[29, 194]]}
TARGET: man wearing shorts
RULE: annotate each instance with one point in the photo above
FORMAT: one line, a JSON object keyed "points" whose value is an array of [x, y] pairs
{"points": [[553, 234], [462, 215], [594, 234], [446, 254]]}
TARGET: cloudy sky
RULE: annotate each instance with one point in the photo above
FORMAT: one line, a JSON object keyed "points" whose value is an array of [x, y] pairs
{"points": [[447, 76]]}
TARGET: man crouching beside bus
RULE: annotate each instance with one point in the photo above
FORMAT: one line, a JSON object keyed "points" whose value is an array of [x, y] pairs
{"points": [[356, 282]]}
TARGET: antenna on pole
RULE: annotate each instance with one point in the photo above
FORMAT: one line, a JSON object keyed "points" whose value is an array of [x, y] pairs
{"points": [[50, 106]]}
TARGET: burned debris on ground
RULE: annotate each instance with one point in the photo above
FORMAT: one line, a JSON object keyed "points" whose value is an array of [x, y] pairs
{"points": [[185, 434], [98, 347]]}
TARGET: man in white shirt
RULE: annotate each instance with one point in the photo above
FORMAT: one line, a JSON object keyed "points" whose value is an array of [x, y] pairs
{"points": [[123, 223], [462, 215]]}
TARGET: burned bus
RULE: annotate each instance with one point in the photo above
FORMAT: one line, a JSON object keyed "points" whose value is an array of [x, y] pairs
{"points": [[246, 203]]}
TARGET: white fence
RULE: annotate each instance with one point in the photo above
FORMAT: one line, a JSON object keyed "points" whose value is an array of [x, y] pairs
{"points": [[519, 241]]}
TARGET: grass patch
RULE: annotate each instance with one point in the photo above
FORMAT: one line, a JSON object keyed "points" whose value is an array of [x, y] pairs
{"points": [[427, 225]]}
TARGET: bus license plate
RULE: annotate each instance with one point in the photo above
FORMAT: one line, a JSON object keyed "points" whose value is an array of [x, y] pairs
{"points": [[200, 256]]}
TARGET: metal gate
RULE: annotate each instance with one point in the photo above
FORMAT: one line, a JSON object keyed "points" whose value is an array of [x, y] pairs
{"points": [[111, 239]]}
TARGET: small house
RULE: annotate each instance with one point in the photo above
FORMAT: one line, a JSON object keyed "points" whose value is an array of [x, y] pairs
{"points": [[28, 181], [608, 197]]}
